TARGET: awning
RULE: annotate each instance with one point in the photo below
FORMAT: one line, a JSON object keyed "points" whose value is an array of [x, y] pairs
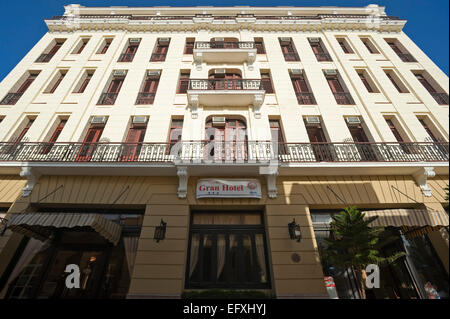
{"points": [[40, 225], [408, 217]]}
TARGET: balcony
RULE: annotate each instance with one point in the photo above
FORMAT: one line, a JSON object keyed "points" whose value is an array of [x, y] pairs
{"points": [[44, 58], [344, 98], [323, 57], [441, 98], [224, 52], [126, 57], [156, 57], [406, 57], [11, 98], [205, 152], [305, 98], [223, 92], [145, 98], [291, 57], [107, 99]]}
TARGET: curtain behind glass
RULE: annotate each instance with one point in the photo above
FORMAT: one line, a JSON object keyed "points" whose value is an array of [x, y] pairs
{"points": [[259, 242], [195, 243]]}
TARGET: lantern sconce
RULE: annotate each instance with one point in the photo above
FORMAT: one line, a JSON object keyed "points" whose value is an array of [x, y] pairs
{"points": [[3, 225], [160, 231], [294, 231]]}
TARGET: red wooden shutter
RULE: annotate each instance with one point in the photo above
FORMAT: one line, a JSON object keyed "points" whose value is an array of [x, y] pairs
{"points": [[58, 131], [106, 47], [85, 83], [425, 83], [395, 48], [334, 84], [316, 134], [425, 126], [267, 82], [58, 81], [394, 131], [55, 48], [115, 86], [365, 82], [24, 131], [26, 84]]}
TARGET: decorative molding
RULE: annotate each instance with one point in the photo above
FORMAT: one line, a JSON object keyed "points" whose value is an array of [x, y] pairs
{"points": [[198, 60], [183, 177], [193, 104], [251, 58], [32, 177], [421, 178]]}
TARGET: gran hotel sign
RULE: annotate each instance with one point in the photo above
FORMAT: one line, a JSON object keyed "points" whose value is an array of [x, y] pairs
{"points": [[228, 188]]}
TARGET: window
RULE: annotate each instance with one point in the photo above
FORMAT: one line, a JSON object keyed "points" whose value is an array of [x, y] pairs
{"points": [[427, 128], [13, 98], [369, 45], [87, 76], [24, 131], [189, 46], [80, 47], [133, 142], [130, 51], [160, 51], [56, 81], [277, 136], [396, 81], [398, 136], [266, 82], [365, 79], [342, 97], [288, 49], [175, 132], [400, 51], [259, 45], [322, 151], [319, 50], [47, 56], [149, 88], [301, 88], [227, 250], [54, 136], [360, 138], [441, 98], [345, 46], [183, 81], [114, 86], [90, 142], [105, 46]]}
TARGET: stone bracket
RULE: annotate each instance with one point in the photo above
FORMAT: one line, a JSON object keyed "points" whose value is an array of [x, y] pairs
{"points": [[421, 177], [271, 173], [183, 177], [32, 177], [258, 100], [251, 58], [198, 59], [194, 103]]}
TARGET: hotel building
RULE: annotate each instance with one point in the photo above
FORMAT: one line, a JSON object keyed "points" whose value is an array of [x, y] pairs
{"points": [[166, 150]]}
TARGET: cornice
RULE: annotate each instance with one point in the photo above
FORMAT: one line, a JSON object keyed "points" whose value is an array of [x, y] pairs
{"points": [[132, 23]]}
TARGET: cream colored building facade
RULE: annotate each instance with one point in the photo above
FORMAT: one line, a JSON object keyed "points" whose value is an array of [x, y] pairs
{"points": [[402, 119]]}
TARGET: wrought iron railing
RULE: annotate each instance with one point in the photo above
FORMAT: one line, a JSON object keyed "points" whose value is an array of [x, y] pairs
{"points": [[291, 57], [224, 45], [225, 84], [156, 57], [305, 98], [441, 98], [223, 151], [107, 99], [323, 57], [44, 58], [11, 98], [406, 57], [145, 98], [126, 57], [344, 98]]}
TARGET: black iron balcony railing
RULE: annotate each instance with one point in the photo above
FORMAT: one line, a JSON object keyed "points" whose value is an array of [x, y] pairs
{"points": [[305, 98], [145, 98], [225, 84], [344, 98], [441, 98], [291, 57], [107, 99], [126, 57], [406, 57], [11, 98], [156, 57], [224, 151], [44, 58], [224, 45], [323, 57]]}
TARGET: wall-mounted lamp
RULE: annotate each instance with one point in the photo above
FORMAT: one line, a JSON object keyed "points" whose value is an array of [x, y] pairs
{"points": [[160, 231], [294, 231], [3, 225]]}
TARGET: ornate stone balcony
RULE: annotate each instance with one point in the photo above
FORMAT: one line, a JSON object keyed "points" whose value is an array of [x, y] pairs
{"points": [[224, 52]]}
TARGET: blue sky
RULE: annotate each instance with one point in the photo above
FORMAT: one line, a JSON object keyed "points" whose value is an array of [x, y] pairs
{"points": [[22, 21]]}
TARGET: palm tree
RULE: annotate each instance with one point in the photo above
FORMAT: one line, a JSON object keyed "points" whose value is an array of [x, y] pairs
{"points": [[355, 244]]}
